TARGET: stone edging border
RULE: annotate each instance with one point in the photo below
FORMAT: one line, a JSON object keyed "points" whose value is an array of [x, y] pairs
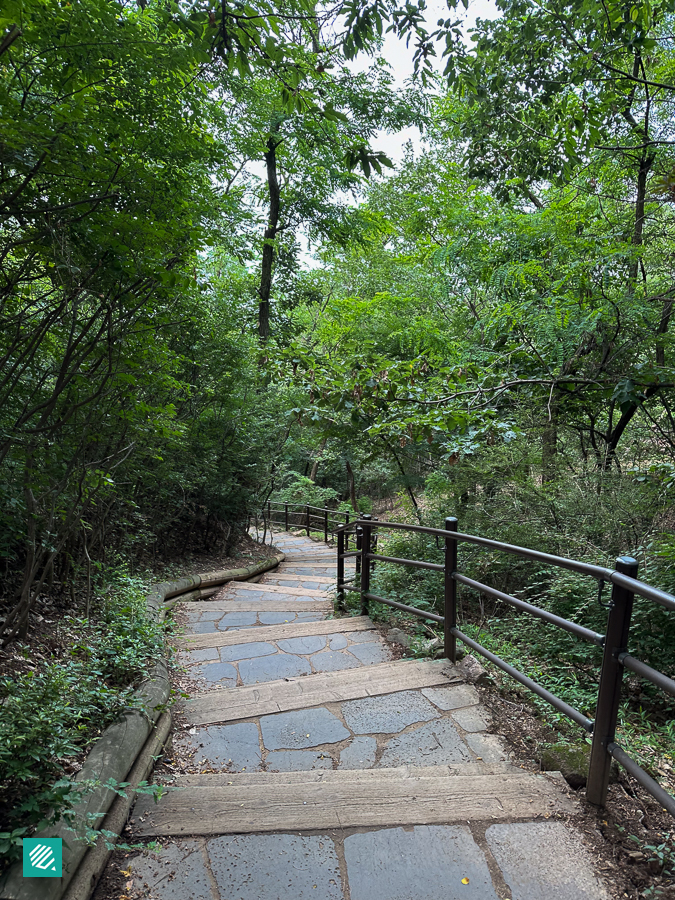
{"points": [[124, 752]]}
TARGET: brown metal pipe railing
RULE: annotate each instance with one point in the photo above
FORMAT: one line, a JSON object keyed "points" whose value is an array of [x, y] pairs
{"points": [[366, 532], [544, 614], [450, 592], [600, 573], [347, 586], [315, 521], [307, 520], [418, 563], [658, 678], [303, 506], [560, 561], [413, 610], [278, 507], [615, 656], [516, 674], [666, 800], [644, 590]]}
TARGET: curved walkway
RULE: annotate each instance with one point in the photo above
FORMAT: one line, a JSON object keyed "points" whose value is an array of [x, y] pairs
{"points": [[331, 771]]}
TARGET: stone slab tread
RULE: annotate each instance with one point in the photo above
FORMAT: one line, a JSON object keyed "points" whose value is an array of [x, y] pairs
{"points": [[243, 586], [263, 605], [294, 576], [318, 776]]}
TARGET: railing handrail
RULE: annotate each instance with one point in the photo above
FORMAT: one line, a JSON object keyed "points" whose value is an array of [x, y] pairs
{"points": [[303, 506], [614, 642], [600, 573], [279, 512]]}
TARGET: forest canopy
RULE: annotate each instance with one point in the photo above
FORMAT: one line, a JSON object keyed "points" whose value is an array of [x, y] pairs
{"points": [[217, 290], [499, 302], [496, 308]]}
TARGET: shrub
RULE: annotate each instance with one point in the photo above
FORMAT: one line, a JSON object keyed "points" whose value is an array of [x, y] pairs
{"points": [[57, 710]]}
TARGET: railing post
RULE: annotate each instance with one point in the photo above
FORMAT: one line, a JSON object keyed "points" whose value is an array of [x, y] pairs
{"points": [[365, 563], [346, 534], [325, 524], [340, 570], [450, 612], [609, 692], [373, 548], [286, 516], [308, 527], [359, 545]]}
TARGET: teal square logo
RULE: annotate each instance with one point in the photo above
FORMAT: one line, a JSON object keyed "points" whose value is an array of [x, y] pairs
{"points": [[42, 858]]}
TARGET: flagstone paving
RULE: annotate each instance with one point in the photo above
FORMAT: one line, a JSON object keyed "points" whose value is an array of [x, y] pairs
{"points": [[368, 780]]}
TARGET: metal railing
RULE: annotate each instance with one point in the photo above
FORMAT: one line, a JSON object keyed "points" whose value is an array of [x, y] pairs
{"points": [[304, 516], [614, 642]]}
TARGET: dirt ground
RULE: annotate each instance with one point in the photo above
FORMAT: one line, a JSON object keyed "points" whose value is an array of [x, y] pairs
{"points": [[620, 834], [49, 639]]}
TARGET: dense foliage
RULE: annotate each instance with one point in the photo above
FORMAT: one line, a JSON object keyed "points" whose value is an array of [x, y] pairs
{"points": [[133, 409], [484, 331], [53, 712]]}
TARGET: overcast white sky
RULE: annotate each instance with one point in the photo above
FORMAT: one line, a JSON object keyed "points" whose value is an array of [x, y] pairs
{"points": [[400, 58]]}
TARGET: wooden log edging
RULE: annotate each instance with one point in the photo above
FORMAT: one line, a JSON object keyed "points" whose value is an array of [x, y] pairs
{"points": [[91, 868], [124, 752]]}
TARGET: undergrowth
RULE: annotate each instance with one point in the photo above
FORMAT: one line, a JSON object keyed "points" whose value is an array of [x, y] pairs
{"points": [[57, 709]]}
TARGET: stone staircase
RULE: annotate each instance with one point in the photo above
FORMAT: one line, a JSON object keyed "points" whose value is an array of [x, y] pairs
{"points": [[328, 769]]}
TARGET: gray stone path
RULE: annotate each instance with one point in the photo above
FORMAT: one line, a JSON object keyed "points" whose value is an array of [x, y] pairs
{"points": [[535, 858]]}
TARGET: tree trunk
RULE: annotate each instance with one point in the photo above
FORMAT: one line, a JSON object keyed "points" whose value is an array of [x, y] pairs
{"points": [[646, 163], [352, 487], [315, 464], [270, 234], [615, 434], [549, 446], [409, 490], [641, 131], [666, 313]]}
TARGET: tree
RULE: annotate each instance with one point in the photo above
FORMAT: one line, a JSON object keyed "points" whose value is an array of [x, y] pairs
{"points": [[583, 95], [310, 153], [105, 196], [503, 301]]}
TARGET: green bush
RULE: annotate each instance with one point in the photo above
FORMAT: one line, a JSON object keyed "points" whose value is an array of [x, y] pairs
{"points": [[301, 489], [57, 710]]}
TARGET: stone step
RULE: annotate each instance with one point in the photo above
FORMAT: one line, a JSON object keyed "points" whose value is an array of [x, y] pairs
{"points": [[336, 800], [311, 573], [234, 704], [308, 605], [276, 576], [274, 632], [331, 557], [224, 779], [243, 586]]}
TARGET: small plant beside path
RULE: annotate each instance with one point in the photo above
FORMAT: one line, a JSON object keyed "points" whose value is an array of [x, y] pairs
{"points": [[58, 695]]}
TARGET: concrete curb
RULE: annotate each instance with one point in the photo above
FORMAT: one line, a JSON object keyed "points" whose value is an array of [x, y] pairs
{"points": [[124, 749]]}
